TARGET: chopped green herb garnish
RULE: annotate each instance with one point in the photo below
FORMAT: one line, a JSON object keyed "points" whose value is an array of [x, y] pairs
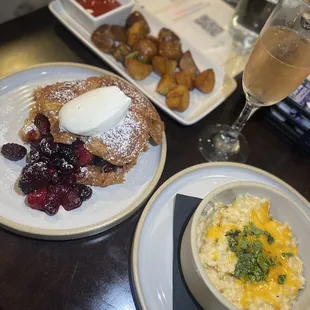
{"points": [[288, 254], [233, 232], [253, 230], [270, 239], [132, 55], [142, 59], [233, 239], [253, 264], [281, 278]]}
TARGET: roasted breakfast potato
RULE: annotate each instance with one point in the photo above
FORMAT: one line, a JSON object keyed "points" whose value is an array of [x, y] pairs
{"points": [[154, 39], [162, 65], [171, 66], [205, 81], [147, 49], [136, 33], [166, 84], [142, 53], [167, 35], [170, 49], [138, 69], [103, 38], [178, 98], [121, 51], [135, 17], [159, 65], [119, 33], [185, 77], [187, 62]]}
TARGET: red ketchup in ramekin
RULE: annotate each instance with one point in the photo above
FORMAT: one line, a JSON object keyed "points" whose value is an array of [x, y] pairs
{"points": [[99, 7]]}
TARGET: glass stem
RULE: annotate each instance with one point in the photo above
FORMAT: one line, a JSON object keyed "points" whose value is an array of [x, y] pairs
{"points": [[244, 116]]}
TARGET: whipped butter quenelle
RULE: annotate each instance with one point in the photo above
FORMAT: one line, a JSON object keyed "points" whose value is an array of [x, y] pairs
{"points": [[94, 112]]}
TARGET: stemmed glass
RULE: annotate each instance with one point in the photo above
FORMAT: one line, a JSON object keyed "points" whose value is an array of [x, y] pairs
{"points": [[279, 62]]}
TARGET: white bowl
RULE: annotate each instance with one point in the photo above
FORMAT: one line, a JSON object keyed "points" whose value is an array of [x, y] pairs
{"points": [[282, 208], [116, 16]]}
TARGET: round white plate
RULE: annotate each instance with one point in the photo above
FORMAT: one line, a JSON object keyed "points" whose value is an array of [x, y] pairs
{"points": [[107, 207], [152, 247]]}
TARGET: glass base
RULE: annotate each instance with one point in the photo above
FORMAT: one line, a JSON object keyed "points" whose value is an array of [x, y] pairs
{"points": [[214, 145]]}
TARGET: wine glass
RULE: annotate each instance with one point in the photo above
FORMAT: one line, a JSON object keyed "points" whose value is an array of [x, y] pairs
{"points": [[278, 64]]}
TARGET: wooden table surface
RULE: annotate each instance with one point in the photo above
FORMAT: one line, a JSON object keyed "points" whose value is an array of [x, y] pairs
{"points": [[93, 273]]}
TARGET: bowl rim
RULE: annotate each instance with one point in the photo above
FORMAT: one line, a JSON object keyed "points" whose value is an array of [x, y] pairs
{"points": [[104, 15], [197, 216]]}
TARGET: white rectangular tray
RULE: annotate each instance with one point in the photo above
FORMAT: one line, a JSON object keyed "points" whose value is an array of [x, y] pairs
{"points": [[200, 104]]}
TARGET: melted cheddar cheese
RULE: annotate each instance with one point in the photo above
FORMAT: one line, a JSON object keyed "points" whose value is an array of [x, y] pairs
{"points": [[218, 232], [269, 289]]}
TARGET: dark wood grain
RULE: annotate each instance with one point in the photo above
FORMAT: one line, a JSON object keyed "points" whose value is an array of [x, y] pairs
{"points": [[93, 273]]}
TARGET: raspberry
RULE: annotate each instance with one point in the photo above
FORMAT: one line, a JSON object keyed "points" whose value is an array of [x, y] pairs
{"points": [[36, 199], [55, 194], [13, 151], [54, 198], [85, 158], [43, 124], [71, 200]]}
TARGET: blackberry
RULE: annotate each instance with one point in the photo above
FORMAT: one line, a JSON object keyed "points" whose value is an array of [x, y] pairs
{"points": [[13, 151], [56, 178], [99, 161], [48, 147], [66, 152], [50, 209], [108, 168], [85, 192], [34, 176], [62, 165], [35, 156], [69, 180]]}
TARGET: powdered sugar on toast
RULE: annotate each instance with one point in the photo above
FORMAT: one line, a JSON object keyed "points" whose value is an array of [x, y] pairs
{"points": [[120, 145]]}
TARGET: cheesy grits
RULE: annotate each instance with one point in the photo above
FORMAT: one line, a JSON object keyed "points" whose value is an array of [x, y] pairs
{"points": [[250, 258]]}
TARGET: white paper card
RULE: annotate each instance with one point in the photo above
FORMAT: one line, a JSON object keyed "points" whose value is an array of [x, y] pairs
{"points": [[204, 24]]}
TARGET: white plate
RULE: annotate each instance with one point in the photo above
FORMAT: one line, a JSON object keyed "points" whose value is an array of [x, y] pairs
{"points": [[107, 207], [201, 104], [152, 247]]}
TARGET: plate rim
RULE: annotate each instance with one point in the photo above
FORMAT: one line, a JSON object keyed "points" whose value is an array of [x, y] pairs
{"points": [[89, 230], [137, 235], [228, 88]]}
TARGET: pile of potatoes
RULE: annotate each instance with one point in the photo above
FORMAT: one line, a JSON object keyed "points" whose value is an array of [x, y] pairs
{"points": [[142, 53]]}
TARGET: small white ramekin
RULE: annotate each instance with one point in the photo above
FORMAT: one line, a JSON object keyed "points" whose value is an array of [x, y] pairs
{"points": [[116, 16], [282, 208]]}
